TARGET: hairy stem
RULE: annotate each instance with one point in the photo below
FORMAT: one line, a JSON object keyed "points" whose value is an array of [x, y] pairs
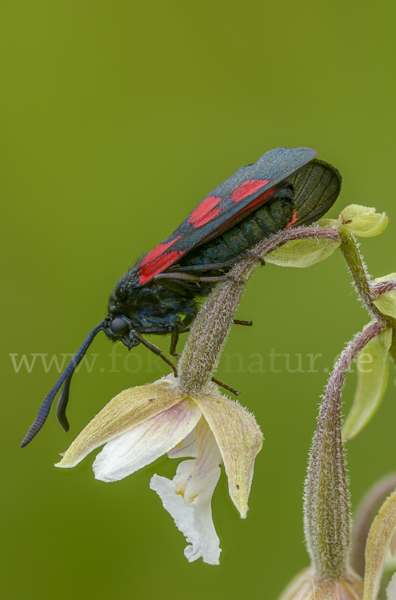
{"points": [[357, 268], [327, 520]]}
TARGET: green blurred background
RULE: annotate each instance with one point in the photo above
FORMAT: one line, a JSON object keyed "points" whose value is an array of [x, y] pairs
{"points": [[116, 120]]}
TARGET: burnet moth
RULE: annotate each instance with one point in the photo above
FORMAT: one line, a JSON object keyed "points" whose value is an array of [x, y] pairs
{"points": [[286, 187]]}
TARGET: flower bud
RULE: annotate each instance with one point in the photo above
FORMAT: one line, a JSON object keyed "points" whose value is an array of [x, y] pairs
{"points": [[363, 221], [306, 587]]}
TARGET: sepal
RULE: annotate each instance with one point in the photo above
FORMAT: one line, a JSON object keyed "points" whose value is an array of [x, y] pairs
{"points": [[129, 409], [239, 439]]}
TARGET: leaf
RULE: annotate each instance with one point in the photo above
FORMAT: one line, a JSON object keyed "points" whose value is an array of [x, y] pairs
{"points": [[386, 303], [373, 366], [379, 537], [302, 253]]}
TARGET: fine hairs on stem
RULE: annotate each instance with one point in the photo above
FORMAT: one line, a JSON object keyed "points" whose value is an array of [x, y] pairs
{"points": [[327, 520]]}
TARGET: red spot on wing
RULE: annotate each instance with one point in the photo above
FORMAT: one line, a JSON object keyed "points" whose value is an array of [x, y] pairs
{"points": [[248, 188], [159, 264], [205, 211], [158, 250], [293, 220]]}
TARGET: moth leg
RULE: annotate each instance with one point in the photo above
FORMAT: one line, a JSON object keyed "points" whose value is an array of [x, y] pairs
{"points": [[196, 278], [155, 330], [226, 387], [156, 351], [175, 338], [188, 319], [180, 287], [207, 267], [254, 255], [173, 344], [246, 323], [218, 266]]}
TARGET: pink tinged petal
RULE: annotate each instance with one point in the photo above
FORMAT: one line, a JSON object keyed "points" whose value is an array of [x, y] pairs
{"points": [[188, 497], [207, 465], [239, 439], [187, 448], [128, 409], [146, 442]]}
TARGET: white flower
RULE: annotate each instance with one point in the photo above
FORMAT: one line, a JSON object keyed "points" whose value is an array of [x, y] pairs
{"points": [[391, 589], [141, 424]]}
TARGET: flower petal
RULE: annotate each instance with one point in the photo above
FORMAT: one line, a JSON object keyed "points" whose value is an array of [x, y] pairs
{"points": [[379, 537], [372, 381], [188, 497], [391, 589], [363, 221], [128, 409], [146, 442], [239, 439], [187, 448]]}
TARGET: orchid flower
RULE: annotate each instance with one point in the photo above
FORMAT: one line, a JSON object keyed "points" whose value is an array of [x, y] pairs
{"points": [[143, 423]]}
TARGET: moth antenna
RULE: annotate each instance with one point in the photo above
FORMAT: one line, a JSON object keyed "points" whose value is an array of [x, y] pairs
{"points": [[62, 404], [67, 374]]}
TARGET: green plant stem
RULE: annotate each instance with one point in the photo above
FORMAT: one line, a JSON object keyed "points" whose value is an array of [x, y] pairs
{"points": [[327, 521], [366, 291], [357, 268]]}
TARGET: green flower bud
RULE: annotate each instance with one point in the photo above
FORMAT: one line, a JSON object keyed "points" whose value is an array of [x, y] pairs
{"points": [[363, 221], [386, 303]]}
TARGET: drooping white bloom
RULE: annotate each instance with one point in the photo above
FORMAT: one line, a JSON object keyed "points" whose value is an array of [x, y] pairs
{"points": [[188, 496], [143, 423], [391, 589]]}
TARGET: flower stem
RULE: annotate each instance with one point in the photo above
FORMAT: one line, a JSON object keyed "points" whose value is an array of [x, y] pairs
{"points": [[327, 520], [357, 268]]}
